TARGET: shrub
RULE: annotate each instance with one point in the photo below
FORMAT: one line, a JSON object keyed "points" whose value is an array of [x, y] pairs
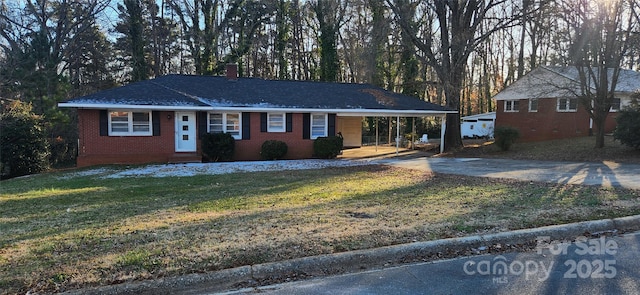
{"points": [[218, 146], [23, 145], [327, 147], [628, 126], [505, 137], [273, 149]]}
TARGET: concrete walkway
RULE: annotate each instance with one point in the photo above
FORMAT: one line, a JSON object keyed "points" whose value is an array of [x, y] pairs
{"points": [[605, 174]]}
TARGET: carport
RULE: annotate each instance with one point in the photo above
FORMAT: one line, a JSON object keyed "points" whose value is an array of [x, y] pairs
{"points": [[397, 114]]}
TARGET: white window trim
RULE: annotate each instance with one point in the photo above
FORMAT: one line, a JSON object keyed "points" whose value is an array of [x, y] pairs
{"points": [[284, 122], [566, 108], [512, 110], [130, 123], [224, 123], [612, 110], [326, 126], [537, 105]]}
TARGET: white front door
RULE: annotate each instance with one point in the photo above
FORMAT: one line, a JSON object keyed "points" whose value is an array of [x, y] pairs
{"points": [[185, 132]]}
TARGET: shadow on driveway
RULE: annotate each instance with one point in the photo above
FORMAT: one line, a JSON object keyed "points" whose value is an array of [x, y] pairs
{"points": [[606, 174]]}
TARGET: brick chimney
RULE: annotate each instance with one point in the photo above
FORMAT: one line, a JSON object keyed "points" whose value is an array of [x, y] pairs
{"points": [[232, 72]]}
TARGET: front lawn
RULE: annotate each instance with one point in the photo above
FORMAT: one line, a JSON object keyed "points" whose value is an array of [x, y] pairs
{"points": [[579, 149], [62, 231]]}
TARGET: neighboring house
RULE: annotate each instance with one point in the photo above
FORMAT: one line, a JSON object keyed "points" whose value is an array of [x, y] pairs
{"points": [[161, 120], [543, 105], [480, 125]]}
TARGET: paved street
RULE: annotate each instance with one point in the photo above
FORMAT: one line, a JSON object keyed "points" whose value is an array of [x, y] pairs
{"points": [[592, 173], [609, 265]]}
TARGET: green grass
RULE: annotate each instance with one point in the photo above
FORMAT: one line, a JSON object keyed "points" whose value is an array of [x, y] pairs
{"points": [[61, 232]]}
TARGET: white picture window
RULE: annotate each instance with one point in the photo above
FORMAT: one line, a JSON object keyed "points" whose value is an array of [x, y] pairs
{"points": [[126, 123], [511, 105], [533, 105], [567, 104], [615, 105], [318, 125], [276, 123], [225, 123]]}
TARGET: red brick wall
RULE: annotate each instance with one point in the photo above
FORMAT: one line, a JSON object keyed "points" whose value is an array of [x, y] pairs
{"points": [[95, 149], [546, 123], [298, 148], [610, 123]]}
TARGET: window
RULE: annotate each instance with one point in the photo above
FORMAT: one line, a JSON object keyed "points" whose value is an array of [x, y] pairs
{"points": [[225, 122], [318, 125], [276, 122], [567, 104], [511, 105], [533, 105], [123, 123], [615, 105]]}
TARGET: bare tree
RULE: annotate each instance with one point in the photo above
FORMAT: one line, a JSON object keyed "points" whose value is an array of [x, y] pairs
{"points": [[448, 46], [601, 31]]}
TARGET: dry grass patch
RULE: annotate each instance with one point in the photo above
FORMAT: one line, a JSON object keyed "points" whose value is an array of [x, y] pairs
{"points": [[63, 233], [579, 149]]}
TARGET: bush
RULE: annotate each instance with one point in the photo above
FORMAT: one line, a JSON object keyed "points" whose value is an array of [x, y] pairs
{"points": [[327, 147], [273, 149], [628, 126], [23, 145], [505, 137], [218, 146], [63, 152]]}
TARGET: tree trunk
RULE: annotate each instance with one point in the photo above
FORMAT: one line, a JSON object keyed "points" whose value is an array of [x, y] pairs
{"points": [[599, 124], [452, 91]]}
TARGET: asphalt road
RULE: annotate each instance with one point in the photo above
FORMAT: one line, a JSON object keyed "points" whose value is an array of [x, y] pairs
{"points": [[607, 265], [588, 173]]}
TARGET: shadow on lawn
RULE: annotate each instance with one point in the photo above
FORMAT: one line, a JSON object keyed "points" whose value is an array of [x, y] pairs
{"points": [[68, 220], [67, 206]]}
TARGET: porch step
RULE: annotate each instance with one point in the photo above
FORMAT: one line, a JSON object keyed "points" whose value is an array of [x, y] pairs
{"points": [[185, 158]]}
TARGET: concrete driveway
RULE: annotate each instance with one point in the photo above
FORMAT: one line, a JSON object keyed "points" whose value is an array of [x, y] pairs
{"points": [[605, 174]]}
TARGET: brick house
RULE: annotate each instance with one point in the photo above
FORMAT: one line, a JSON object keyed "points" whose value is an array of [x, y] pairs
{"points": [[542, 105], [160, 120]]}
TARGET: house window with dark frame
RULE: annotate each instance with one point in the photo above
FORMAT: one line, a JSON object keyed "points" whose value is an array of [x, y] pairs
{"points": [[319, 125], [567, 104], [615, 105], [533, 105], [511, 105], [226, 123], [276, 122], [127, 123]]}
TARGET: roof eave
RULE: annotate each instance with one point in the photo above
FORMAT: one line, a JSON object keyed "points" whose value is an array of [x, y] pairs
{"points": [[340, 112], [102, 106]]}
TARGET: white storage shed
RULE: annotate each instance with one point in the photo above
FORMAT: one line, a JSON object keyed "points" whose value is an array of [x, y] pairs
{"points": [[480, 125]]}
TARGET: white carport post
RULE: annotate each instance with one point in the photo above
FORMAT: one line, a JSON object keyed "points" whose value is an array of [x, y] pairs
{"points": [[443, 128], [397, 134], [376, 134]]}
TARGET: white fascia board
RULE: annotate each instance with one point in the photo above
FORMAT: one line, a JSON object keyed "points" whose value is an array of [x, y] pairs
{"points": [[342, 112], [131, 107], [339, 112]]}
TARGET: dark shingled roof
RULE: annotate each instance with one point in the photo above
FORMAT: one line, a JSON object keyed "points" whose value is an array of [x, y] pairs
{"points": [[210, 91]]}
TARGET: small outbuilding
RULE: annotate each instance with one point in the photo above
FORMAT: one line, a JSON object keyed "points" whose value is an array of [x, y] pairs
{"points": [[478, 126]]}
